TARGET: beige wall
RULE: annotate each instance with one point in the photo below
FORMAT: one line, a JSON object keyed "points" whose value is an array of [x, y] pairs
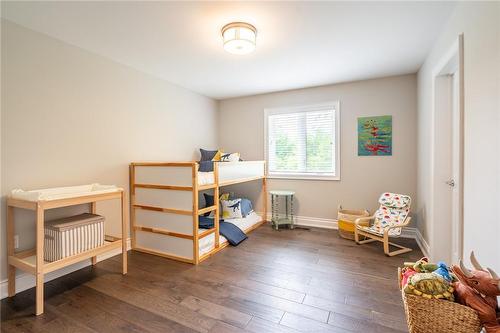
{"points": [[480, 24], [71, 117], [241, 128]]}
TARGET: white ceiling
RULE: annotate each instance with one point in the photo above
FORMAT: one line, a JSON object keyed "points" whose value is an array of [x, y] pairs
{"points": [[299, 44]]}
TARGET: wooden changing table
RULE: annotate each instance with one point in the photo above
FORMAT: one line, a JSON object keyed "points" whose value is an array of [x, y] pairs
{"points": [[32, 261]]}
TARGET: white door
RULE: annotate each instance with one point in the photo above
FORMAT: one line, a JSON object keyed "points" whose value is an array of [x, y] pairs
{"points": [[447, 173], [455, 181]]}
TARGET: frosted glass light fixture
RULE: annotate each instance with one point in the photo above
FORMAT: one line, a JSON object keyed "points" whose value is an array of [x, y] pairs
{"points": [[239, 37]]}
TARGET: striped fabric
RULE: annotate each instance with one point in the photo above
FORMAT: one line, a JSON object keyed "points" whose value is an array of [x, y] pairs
{"points": [[69, 236]]}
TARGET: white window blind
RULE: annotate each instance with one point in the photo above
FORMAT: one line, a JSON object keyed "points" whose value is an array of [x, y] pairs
{"points": [[301, 142]]}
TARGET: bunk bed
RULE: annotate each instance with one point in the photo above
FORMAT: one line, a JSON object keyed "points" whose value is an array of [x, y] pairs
{"points": [[165, 206]]}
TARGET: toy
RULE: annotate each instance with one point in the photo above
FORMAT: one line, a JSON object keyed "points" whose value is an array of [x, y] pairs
{"points": [[422, 266], [443, 271], [429, 285], [479, 289]]}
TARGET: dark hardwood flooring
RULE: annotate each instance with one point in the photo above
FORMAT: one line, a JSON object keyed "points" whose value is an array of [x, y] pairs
{"points": [[286, 281]]}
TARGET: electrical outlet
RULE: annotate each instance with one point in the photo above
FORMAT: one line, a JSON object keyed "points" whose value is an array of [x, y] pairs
{"points": [[16, 241]]}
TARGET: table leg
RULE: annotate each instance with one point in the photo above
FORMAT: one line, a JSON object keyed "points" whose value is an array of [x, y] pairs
{"points": [[93, 210], [124, 234], [292, 215], [11, 270], [39, 259], [286, 207]]}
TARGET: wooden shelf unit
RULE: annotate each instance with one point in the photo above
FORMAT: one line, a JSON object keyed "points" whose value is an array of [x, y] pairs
{"points": [[195, 211], [32, 261]]}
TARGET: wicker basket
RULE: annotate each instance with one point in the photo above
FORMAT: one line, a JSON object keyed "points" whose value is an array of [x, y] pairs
{"points": [[438, 316], [346, 218]]}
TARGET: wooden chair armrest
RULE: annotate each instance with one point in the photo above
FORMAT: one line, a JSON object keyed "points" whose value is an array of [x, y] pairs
{"points": [[361, 219]]}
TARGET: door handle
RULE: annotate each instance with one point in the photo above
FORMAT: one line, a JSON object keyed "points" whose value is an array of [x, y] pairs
{"points": [[450, 182]]}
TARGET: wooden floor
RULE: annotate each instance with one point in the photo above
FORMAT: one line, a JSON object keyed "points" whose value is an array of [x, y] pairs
{"points": [[286, 281]]}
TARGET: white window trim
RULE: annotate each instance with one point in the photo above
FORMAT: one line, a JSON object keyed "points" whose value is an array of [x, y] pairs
{"points": [[311, 107]]}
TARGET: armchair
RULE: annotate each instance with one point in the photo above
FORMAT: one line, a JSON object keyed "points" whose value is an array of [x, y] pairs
{"points": [[388, 221]]}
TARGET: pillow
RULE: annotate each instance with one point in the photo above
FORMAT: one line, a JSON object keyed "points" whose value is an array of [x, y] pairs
{"points": [[231, 209], [225, 196], [217, 156], [209, 201], [246, 207], [230, 157], [206, 166], [207, 155]]}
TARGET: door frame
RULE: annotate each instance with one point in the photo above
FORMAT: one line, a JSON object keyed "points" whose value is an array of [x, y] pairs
{"points": [[451, 62]]}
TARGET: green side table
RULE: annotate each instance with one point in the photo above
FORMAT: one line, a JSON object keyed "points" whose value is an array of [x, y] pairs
{"points": [[288, 218]]}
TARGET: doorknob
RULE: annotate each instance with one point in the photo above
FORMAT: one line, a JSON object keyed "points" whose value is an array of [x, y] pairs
{"points": [[450, 182]]}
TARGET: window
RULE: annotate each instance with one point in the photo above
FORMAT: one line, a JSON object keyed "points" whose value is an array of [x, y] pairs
{"points": [[303, 142]]}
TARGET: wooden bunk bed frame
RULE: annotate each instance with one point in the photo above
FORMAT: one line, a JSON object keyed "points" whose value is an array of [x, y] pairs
{"points": [[195, 211]]}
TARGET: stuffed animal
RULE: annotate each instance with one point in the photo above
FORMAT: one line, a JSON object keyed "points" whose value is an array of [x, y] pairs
{"points": [[479, 289], [422, 266], [443, 271], [429, 285]]}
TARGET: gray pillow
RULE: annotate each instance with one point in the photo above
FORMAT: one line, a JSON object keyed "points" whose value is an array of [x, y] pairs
{"points": [[207, 155]]}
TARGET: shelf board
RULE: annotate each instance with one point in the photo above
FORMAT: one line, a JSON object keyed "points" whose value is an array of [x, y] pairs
{"points": [[28, 264], [206, 187], [206, 233]]}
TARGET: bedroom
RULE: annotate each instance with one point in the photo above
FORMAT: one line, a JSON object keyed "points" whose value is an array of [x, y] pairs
{"points": [[91, 89]]}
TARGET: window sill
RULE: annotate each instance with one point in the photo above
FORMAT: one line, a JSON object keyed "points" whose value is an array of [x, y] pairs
{"points": [[304, 177]]}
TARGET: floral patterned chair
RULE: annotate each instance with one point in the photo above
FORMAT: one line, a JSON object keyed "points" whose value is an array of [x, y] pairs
{"points": [[388, 221]]}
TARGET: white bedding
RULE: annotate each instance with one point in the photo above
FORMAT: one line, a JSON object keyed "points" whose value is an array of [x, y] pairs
{"points": [[57, 193], [206, 244], [205, 178], [229, 171]]}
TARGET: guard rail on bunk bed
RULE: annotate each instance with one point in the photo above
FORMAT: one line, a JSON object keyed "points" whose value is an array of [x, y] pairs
{"points": [[165, 209]]}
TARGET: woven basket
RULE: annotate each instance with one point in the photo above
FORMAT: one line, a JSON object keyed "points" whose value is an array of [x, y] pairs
{"points": [[438, 316], [346, 218]]}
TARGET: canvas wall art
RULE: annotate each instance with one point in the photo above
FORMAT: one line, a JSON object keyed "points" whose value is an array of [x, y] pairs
{"points": [[375, 136]]}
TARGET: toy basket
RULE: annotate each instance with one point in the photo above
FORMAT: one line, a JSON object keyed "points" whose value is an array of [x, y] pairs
{"points": [[346, 218], [438, 316]]}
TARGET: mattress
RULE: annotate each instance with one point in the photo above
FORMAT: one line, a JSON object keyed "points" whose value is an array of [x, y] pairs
{"points": [[206, 244], [57, 193], [230, 171]]}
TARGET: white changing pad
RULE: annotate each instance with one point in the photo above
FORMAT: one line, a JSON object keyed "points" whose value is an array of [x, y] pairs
{"points": [[57, 193]]}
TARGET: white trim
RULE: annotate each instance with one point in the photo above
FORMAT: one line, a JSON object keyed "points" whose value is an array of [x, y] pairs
{"points": [[26, 281], [318, 222], [304, 108]]}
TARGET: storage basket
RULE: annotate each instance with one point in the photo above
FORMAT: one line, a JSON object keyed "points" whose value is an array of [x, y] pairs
{"points": [[438, 316], [72, 235], [346, 218]]}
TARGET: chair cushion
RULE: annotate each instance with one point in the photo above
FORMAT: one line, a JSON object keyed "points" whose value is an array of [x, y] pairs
{"points": [[393, 211], [394, 200]]}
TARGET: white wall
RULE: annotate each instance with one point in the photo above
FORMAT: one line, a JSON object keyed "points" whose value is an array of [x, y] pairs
{"points": [[71, 117], [480, 23], [241, 129]]}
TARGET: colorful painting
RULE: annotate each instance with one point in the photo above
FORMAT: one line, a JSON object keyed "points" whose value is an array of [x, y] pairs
{"points": [[375, 136]]}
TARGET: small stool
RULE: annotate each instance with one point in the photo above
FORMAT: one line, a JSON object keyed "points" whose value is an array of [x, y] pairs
{"points": [[289, 218]]}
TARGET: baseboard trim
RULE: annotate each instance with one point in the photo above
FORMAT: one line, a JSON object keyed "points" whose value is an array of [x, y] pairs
{"points": [[408, 232], [26, 281]]}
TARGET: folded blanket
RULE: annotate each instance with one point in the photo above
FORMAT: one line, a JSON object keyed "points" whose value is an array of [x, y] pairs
{"points": [[231, 232], [205, 222]]}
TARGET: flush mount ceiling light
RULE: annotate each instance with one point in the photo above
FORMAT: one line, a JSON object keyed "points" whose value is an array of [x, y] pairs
{"points": [[239, 37]]}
